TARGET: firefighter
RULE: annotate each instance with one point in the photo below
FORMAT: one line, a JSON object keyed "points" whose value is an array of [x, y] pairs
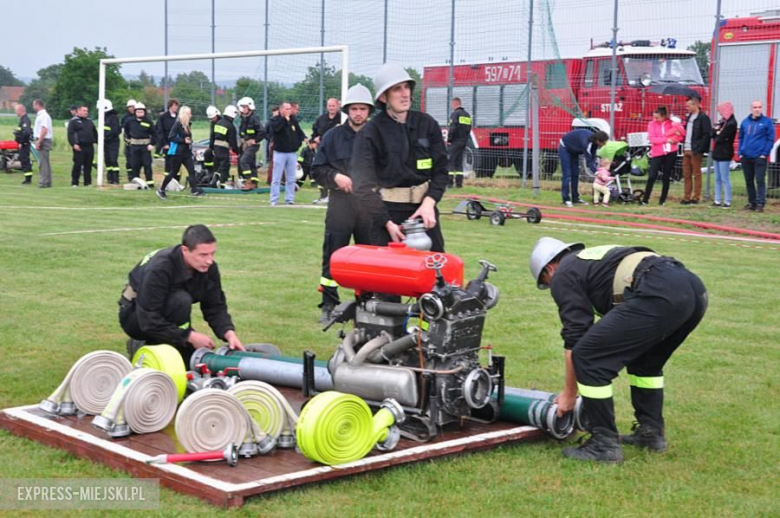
{"points": [[162, 129], [139, 131], [458, 135], [648, 304], [129, 114], [399, 165], [223, 140], [156, 304], [343, 220], [82, 137], [306, 159], [111, 132], [251, 133], [22, 135]]}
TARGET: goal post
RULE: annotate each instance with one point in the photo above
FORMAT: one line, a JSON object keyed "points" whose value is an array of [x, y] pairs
{"points": [[343, 49]]}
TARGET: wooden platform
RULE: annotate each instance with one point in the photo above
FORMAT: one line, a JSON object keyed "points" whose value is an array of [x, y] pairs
{"points": [[222, 485]]}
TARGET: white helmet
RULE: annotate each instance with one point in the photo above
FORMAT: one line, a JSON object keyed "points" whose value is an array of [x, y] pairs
{"points": [[545, 251], [131, 103], [105, 105], [212, 112], [231, 111], [140, 106], [358, 94], [246, 101], [389, 75]]}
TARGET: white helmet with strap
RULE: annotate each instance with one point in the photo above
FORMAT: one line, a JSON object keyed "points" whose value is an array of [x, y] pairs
{"points": [[231, 111], [247, 101], [545, 251], [140, 106], [212, 112], [131, 103], [388, 76]]}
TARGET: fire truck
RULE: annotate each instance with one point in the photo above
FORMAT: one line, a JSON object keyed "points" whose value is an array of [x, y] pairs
{"points": [[572, 92], [749, 66]]}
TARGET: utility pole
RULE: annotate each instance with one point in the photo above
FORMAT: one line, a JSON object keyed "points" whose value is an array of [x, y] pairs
{"points": [[265, 67], [528, 82], [322, 58], [451, 82], [714, 90], [384, 46], [613, 86], [213, 30], [165, 77]]}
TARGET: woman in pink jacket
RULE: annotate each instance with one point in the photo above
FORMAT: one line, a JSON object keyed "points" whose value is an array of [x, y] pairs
{"points": [[664, 136]]}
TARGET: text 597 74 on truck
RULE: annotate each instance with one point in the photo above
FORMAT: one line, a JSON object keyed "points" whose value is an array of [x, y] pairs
{"points": [[572, 92]]}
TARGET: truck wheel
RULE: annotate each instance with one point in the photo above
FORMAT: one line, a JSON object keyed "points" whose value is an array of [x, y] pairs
{"points": [[549, 165], [533, 215], [484, 164], [473, 210], [497, 218]]}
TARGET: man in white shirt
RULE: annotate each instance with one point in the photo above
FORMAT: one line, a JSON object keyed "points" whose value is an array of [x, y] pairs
{"points": [[43, 134]]}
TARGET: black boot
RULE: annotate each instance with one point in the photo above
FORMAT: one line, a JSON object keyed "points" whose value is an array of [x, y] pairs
{"points": [[132, 346], [27, 180], [602, 446], [645, 436]]}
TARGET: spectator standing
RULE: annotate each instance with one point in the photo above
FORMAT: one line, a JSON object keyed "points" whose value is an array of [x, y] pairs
{"points": [[287, 136], [601, 182], [180, 151], [458, 135], [139, 132], [571, 146], [22, 135], [162, 129], [723, 135], [129, 115], [111, 132], [665, 136], [82, 136], [269, 145], [328, 120], [756, 138], [43, 133], [698, 135]]}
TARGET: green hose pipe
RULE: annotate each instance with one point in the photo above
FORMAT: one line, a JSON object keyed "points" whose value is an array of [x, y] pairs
{"points": [[336, 428], [288, 359], [533, 408]]}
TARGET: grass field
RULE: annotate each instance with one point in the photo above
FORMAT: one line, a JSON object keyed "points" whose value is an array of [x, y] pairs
{"points": [[66, 253]]}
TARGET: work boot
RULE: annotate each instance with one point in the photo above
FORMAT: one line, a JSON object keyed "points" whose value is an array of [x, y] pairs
{"points": [[325, 316], [132, 346], [27, 180], [645, 436], [602, 446]]}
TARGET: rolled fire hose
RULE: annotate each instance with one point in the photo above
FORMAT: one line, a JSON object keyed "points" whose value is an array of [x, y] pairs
{"points": [[211, 419], [144, 402], [89, 385], [167, 359], [336, 428], [269, 409]]}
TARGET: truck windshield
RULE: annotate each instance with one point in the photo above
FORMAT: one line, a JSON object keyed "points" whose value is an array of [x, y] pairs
{"points": [[662, 69]]}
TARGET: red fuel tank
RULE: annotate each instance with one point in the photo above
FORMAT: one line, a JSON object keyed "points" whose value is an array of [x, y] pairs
{"points": [[395, 269]]}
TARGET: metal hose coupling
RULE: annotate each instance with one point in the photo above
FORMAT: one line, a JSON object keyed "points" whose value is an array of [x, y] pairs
{"points": [[336, 428], [269, 409], [144, 402], [167, 359], [211, 419], [89, 385]]}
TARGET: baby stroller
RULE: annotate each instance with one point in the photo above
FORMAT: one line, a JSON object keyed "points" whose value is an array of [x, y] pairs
{"points": [[624, 165]]}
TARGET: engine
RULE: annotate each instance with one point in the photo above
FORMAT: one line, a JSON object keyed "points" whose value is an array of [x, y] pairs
{"points": [[424, 353]]}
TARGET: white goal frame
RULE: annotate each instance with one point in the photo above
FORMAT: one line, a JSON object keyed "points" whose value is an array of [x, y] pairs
{"points": [[344, 49]]}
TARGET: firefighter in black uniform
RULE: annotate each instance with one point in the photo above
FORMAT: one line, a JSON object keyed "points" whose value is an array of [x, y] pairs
{"points": [[111, 131], [343, 220], [139, 131], [162, 129], [399, 165], [82, 137], [649, 305], [251, 133], [156, 303], [223, 140], [458, 135], [22, 135], [129, 115]]}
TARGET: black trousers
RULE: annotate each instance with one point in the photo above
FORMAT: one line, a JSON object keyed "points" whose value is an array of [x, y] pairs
{"points": [[455, 165], [82, 162], [665, 303], [248, 162], [141, 157], [222, 163], [342, 223], [111, 158], [128, 162], [176, 162], [24, 158], [665, 165], [178, 308], [400, 212]]}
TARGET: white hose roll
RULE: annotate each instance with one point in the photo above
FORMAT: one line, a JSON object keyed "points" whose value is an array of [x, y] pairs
{"points": [[210, 420], [145, 400], [90, 383], [267, 407]]}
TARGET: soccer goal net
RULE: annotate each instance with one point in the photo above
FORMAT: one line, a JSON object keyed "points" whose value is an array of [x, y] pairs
{"points": [[306, 77]]}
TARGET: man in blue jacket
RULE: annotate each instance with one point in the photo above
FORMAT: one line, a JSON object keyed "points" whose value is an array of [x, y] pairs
{"points": [[756, 138], [572, 145]]}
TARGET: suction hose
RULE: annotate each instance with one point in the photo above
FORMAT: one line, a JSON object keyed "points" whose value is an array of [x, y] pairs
{"points": [[534, 408], [89, 385], [269, 409], [336, 428], [164, 358], [144, 402]]}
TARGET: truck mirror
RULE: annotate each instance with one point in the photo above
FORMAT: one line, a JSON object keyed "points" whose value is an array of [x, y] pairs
{"points": [[644, 80]]}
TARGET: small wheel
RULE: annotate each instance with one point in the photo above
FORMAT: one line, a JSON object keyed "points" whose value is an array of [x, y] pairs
{"points": [[473, 210], [497, 218], [533, 215], [638, 194]]}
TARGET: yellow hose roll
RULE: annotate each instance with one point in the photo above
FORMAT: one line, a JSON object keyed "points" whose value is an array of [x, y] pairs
{"points": [[165, 358], [336, 428], [267, 407]]}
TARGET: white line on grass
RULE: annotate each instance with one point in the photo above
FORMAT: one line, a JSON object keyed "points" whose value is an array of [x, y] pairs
{"points": [[136, 229]]}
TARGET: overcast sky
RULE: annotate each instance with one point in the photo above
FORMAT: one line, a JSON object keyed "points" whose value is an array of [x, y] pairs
{"points": [[39, 34]]}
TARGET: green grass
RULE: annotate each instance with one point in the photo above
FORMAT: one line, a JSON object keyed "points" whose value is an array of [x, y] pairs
{"points": [[58, 297]]}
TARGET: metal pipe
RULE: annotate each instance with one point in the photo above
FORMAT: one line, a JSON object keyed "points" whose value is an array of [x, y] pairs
{"points": [[394, 348], [370, 346], [322, 58], [213, 29], [165, 75], [391, 309], [528, 91], [613, 86], [451, 82], [265, 71], [384, 45]]}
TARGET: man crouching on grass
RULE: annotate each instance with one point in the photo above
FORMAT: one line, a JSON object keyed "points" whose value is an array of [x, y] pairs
{"points": [[156, 303]]}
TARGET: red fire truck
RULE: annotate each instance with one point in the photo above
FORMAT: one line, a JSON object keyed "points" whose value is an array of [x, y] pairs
{"points": [[572, 92], [749, 66]]}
